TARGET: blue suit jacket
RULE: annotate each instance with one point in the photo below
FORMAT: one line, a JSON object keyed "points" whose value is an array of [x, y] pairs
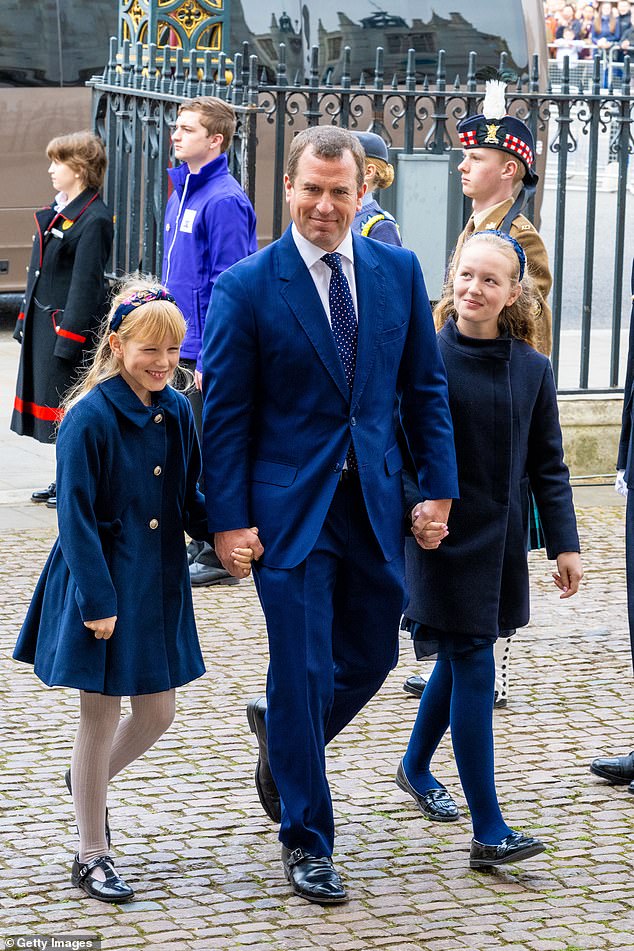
{"points": [[278, 414]]}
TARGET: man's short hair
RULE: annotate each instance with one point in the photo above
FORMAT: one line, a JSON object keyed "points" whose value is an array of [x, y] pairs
{"points": [[329, 142], [216, 115], [84, 152]]}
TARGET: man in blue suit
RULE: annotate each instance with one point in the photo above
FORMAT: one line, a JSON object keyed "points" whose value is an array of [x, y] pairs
{"points": [[316, 349]]}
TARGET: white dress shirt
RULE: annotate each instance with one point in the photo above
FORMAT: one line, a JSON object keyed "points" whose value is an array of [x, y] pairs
{"points": [[319, 270]]}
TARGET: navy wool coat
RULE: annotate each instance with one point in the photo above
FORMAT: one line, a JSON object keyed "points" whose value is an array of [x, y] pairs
{"points": [[126, 491], [506, 425]]}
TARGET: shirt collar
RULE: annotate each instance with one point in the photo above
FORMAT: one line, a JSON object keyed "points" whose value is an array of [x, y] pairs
{"points": [[493, 213], [310, 253]]}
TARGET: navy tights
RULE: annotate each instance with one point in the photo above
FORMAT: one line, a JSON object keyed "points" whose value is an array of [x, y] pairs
{"points": [[459, 694]]}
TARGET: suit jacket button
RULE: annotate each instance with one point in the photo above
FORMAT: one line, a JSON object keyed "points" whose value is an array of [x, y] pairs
{"points": [[336, 467], [153, 523], [158, 418], [157, 470], [353, 421]]}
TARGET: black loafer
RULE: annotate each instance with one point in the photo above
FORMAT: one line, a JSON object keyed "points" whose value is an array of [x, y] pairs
{"points": [[515, 847], [415, 685], [70, 789], [114, 889], [264, 782], [43, 495], [630, 788], [315, 879], [617, 769], [52, 502], [435, 804]]}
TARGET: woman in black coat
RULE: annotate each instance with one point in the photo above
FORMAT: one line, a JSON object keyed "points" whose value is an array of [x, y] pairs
{"points": [[66, 292], [468, 580]]}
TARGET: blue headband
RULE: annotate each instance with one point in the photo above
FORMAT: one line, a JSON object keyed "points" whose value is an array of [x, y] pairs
{"points": [[137, 300], [517, 247]]}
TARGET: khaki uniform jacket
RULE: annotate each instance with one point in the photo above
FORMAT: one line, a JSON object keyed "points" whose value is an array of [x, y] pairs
{"points": [[528, 236]]}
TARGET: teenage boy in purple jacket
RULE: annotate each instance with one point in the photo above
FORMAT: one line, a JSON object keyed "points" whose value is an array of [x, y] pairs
{"points": [[209, 225]]}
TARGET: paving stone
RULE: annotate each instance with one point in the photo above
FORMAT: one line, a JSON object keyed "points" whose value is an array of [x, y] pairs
{"points": [[189, 835]]}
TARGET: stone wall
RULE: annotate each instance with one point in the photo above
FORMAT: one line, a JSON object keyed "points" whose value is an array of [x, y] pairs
{"points": [[591, 427]]}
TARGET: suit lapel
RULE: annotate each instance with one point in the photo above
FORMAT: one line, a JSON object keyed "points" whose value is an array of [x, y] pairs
{"points": [[300, 293], [370, 285]]}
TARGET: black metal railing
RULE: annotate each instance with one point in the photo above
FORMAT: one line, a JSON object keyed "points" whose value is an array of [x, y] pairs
{"points": [[585, 137]]}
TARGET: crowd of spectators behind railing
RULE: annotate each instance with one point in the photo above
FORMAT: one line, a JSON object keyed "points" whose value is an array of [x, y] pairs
{"points": [[578, 30]]}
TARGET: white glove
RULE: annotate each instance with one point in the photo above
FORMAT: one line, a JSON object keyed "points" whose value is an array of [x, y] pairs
{"points": [[620, 484]]}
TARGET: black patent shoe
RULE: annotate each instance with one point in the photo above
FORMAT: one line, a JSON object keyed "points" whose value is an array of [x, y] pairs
{"points": [[514, 847], [315, 879], [617, 769], [52, 502], [113, 889], [434, 804], [43, 495], [70, 789], [264, 782], [415, 685]]}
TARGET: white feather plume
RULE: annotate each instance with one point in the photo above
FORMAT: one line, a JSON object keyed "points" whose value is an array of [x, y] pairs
{"points": [[494, 105]]}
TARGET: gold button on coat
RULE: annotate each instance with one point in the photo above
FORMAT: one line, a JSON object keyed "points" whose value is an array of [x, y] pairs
{"points": [[154, 523], [157, 470], [158, 418]]}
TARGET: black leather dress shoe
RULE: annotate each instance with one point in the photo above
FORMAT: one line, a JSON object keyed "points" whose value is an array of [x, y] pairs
{"points": [[514, 847], [70, 789], [43, 495], [114, 889], [630, 788], [52, 502], [617, 769], [415, 685], [202, 575], [435, 804], [264, 782], [315, 879]]}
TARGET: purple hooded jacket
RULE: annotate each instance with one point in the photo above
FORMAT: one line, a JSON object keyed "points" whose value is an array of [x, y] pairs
{"points": [[209, 225]]}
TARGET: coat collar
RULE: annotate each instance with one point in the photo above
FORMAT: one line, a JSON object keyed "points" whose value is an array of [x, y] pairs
{"points": [[128, 404], [70, 212], [499, 348], [217, 168], [300, 293]]}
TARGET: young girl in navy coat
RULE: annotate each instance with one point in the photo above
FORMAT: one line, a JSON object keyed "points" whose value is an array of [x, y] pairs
{"points": [[112, 612], [468, 580]]}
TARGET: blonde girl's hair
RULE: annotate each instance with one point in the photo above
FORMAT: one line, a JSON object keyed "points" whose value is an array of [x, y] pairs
{"points": [[520, 319], [153, 320], [384, 175]]}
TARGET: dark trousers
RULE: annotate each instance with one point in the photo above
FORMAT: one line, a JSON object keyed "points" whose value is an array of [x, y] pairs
{"points": [[198, 551], [333, 638]]}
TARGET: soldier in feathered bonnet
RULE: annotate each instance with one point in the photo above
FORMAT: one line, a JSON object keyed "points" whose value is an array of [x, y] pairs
{"points": [[498, 175]]}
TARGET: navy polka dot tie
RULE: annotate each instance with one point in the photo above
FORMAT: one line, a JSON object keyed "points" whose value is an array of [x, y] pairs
{"points": [[343, 321]]}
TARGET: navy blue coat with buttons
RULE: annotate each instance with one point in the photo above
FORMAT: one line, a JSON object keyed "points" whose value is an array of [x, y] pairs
{"points": [[127, 490], [506, 428]]}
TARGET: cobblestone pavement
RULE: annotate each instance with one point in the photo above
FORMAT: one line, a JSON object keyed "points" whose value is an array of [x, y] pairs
{"points": [[189, 834]]}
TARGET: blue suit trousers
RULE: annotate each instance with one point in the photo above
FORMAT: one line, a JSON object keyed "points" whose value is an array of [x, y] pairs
{"points": [[333, 626]]}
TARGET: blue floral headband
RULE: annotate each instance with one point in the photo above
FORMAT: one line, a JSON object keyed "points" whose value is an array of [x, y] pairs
{"points": [[142, 297], [517, 247]]}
